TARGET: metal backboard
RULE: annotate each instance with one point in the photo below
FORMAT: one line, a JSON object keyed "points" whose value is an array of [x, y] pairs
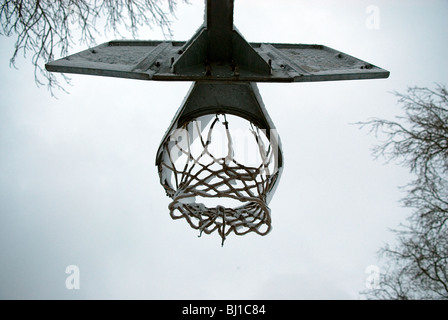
{"points": [[156, 60]]}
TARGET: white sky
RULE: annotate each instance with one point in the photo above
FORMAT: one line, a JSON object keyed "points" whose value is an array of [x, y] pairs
{"points": [[78, 184]]}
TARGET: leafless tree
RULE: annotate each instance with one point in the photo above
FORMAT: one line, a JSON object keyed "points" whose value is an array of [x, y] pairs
{"points": [[417, 266], [44, 27]]}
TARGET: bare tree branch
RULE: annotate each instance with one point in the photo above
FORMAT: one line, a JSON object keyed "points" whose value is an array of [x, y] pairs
{"points": [[417, 268], [46, 28]]}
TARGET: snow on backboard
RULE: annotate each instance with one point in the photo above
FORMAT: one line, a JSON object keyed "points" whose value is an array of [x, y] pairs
{"points": [[154, 60]]}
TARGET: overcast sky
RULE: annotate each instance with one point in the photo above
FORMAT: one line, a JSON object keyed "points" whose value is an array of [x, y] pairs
{"points": [[78, 184]]}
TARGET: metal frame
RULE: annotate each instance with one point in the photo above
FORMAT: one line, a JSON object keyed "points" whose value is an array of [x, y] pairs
{"points": [[217, 52]]}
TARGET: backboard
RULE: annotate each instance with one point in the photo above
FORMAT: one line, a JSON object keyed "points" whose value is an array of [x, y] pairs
{"points": [[156, 60]]}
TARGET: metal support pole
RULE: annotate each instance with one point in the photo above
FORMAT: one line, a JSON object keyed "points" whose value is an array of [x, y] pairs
{"points": [[219, 24]]}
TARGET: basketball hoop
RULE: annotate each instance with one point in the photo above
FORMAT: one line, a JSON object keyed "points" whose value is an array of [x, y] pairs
{"points": [[221, 169], [214, 188]]}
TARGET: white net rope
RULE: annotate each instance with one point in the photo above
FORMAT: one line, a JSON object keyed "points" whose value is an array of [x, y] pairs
{"points": [[219, 179]]}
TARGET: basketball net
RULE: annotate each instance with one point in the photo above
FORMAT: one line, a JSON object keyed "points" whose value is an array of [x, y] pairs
{"points": [[194, 171]]}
